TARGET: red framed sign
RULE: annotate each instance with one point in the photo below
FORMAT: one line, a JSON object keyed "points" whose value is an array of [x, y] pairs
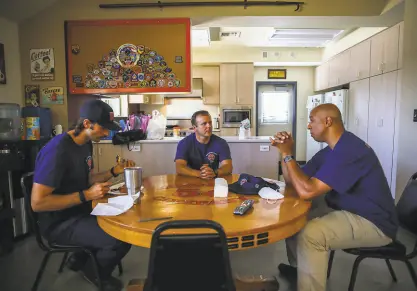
{"points": [[128, 56]]}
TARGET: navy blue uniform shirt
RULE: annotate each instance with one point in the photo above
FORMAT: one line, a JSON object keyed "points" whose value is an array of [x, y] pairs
{"points": [[65, 166], [358, 182], [196, 154]]}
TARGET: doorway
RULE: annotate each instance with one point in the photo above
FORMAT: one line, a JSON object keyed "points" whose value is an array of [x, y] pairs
{"points": [[276, 108]]}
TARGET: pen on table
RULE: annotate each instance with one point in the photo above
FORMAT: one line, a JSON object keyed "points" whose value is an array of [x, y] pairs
{"points": [[155, 218]]}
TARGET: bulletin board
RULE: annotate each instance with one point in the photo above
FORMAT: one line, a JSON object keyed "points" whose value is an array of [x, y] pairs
{"points": [[128, 56]]}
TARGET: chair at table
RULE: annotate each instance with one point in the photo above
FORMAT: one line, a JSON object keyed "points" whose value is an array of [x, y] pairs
{"points": [[27, 183], [189, 262], [407, 213]]}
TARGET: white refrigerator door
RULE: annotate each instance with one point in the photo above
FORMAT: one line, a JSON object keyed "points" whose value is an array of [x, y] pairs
{"points": [[339, 98], [312, 146]]}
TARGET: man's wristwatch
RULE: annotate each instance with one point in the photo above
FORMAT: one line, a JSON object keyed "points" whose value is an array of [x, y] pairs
{"points": [[82, 196], [288, 158], [112, 172]]}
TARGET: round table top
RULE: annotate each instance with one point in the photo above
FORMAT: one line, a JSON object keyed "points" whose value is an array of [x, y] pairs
{"points": [[188, 198]]}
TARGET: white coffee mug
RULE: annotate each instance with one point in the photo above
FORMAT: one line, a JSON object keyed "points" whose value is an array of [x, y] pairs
{"points": [[58, 129]]}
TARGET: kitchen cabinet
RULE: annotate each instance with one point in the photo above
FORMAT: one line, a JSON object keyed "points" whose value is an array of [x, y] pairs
{"points": [[236, 84], [211, 83], [106, 156], [401, 46], [339, 69], [146, 99], [358, 108], [322, 77], [385, 51], [360, 61], [248, 158], [381, 127]]}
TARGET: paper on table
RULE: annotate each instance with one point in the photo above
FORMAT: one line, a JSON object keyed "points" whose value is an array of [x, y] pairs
{"points": [[114, 206], [220, 188]]}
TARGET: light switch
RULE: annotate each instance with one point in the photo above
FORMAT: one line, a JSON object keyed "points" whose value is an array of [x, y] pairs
{"points": [[264, 148], [136, 147]]}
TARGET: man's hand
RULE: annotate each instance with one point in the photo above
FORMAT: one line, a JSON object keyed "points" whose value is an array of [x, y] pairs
{"points": [[283, 141], [97, 191], [120, 167], [206, 172]]}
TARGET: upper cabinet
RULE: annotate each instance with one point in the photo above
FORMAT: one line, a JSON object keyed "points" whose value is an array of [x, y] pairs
{"points": [[401, 46], [360, 61], [236, 84], [211, 83], [339, 69], [385, 51], [322, 77]]}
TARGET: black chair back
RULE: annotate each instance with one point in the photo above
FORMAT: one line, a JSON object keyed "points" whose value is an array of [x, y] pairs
{"points": [[189, 262], [407, 206], [27, 182]]}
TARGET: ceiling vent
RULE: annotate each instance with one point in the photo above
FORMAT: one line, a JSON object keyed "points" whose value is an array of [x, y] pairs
{"points": [[230, 34]]}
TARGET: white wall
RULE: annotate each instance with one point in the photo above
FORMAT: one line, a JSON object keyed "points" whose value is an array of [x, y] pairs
{"points": [[11, 92], [304, 76], [407, 149], [349, 41]]}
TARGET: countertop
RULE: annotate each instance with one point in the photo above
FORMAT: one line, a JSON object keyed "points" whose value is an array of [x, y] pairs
{"points": [[229, 139]]}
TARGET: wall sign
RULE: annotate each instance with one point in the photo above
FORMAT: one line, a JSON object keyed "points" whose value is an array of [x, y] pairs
{"points": [[42, 64], [52, 95], [135, 56], [277, 74], [32, 95]]}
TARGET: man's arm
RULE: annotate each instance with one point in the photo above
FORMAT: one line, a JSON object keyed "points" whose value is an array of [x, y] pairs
{"points": [[305, 186], [182, 169], [225, 168], [287, 178], [43, 199]]}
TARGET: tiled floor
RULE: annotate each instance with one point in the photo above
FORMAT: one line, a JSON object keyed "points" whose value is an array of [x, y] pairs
{"points": [[18, 269]]}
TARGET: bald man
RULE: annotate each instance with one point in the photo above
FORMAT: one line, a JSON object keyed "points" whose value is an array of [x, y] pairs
{"points": [[360, 210]]}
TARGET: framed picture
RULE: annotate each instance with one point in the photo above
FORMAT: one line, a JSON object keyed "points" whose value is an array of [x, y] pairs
{"points": [[2, 65], [42, 64], [277, 74]]}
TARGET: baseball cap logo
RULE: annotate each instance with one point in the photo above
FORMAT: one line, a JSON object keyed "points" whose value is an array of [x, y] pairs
{"points": [[111, 116]]}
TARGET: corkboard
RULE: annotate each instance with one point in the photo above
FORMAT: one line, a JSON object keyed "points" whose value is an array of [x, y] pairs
{"points": [[128, 56]]}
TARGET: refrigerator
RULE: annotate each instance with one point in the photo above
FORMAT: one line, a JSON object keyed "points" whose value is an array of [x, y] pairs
{"points": [[340, 99]]}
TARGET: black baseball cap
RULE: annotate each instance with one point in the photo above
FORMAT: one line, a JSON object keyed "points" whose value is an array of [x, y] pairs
{"points": [[250, 185], [99, 112]]}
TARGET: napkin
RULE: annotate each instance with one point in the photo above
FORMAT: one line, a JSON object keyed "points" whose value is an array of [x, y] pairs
{"points": [[114, 206], [221, 188]]}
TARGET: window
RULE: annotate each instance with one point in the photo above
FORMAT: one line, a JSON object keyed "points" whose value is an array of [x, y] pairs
{"points": [[275, 107]]}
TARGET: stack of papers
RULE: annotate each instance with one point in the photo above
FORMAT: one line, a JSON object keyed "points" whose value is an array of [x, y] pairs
{"points": [[114, 206]]}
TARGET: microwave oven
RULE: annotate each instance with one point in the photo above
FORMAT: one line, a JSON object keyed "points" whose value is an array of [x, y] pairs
{"points": [[232, 116]]}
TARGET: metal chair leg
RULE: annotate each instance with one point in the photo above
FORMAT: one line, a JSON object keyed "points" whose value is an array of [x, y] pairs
{"points": [[391, 270], [96, 270], [354, 273], [64, 260], [120, 268], [41, 270], [329, 265], [412, 272]]}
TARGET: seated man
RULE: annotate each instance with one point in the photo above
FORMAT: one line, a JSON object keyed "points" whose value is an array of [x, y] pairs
{"points": [[203, 154], [361, 210], [64, 187]]}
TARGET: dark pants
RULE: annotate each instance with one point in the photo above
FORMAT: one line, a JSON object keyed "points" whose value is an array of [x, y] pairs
{"points": [[84, 231]]}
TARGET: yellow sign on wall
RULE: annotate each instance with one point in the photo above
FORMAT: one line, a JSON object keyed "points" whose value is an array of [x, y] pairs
{"points": [[277, 74]]}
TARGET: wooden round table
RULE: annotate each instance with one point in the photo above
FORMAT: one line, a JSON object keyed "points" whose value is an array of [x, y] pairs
{"points": [[187, 198]]}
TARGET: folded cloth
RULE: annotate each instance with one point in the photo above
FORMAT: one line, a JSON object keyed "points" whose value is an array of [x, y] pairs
{"points": [[250, 185]]}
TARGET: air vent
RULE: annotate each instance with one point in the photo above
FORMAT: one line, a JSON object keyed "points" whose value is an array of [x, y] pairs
{"points": [[264, 55], [230, 34]]}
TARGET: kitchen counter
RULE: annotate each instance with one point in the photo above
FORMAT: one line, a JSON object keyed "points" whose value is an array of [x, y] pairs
{"points": [[229, 139]]}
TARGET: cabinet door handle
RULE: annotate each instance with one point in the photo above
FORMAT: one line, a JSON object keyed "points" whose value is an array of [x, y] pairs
{"points": [[99, 151], [383, 66], [358, 75], [147, 99]]}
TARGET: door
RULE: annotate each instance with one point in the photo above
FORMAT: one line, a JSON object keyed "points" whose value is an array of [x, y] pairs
{"points": [[358, 108], [244, 84], [275, 110], [391, 48], [381, 128], [377, 54], [228, 84], [360, 60]]}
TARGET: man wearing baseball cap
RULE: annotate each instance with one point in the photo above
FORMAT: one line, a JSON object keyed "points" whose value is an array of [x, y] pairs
{"points": [[64, 186]]}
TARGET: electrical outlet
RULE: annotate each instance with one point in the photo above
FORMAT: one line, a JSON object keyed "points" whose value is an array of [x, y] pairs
{"points": [[264, 148], [136, 147]]}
